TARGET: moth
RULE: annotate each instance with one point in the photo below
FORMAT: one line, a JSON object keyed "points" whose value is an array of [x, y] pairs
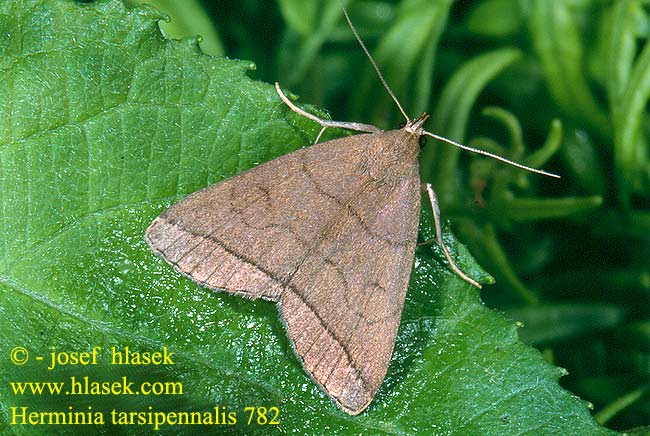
{"points": [[328, 233]]}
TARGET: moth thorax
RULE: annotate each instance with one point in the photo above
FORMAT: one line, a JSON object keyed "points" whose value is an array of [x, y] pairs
{"points": [[393, 155]]}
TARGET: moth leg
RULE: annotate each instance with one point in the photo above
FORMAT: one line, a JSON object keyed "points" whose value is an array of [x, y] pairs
{"points": [[319, 135], [436, 219], [358, 127]]}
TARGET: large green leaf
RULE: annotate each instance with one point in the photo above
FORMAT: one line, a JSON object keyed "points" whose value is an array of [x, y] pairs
{"points": [[103, 124]]}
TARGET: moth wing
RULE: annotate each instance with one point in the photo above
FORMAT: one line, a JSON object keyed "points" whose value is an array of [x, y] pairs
{"points": [[343, 305], [247, 234], [332, 244]]}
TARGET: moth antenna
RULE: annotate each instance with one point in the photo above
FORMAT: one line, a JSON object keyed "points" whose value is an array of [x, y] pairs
{"points": [[358, 127], [487, 153], [374, 64]]}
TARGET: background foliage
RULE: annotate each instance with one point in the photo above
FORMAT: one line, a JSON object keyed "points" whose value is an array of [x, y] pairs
{"points": [[561, 84], [571, 258]]}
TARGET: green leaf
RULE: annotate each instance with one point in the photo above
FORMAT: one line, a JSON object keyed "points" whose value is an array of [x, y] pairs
{"points": [[406, 50], [512, 124], [621, 39], [105, 124], [579, 153], [186, 19], [631, 91], [621, 403], [483, 241], [321, 26], [531, 209], [452, 113], [550, 147], [300, 15], [495, 18], [558, 44], [552, 322]]}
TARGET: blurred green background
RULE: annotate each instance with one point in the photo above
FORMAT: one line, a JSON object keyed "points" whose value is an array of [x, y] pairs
{"points": [[561, 84]]}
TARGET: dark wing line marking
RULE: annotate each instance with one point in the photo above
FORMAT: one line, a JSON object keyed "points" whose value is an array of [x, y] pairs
{"points": [[288, 286], [346, 205]]}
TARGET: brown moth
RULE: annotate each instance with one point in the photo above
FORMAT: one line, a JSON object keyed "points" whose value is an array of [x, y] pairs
{"points": [[327, 232]]}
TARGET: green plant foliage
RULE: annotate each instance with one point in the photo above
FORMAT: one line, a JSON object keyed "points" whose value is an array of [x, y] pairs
{"points": [[190, 20], [104, 123]]}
